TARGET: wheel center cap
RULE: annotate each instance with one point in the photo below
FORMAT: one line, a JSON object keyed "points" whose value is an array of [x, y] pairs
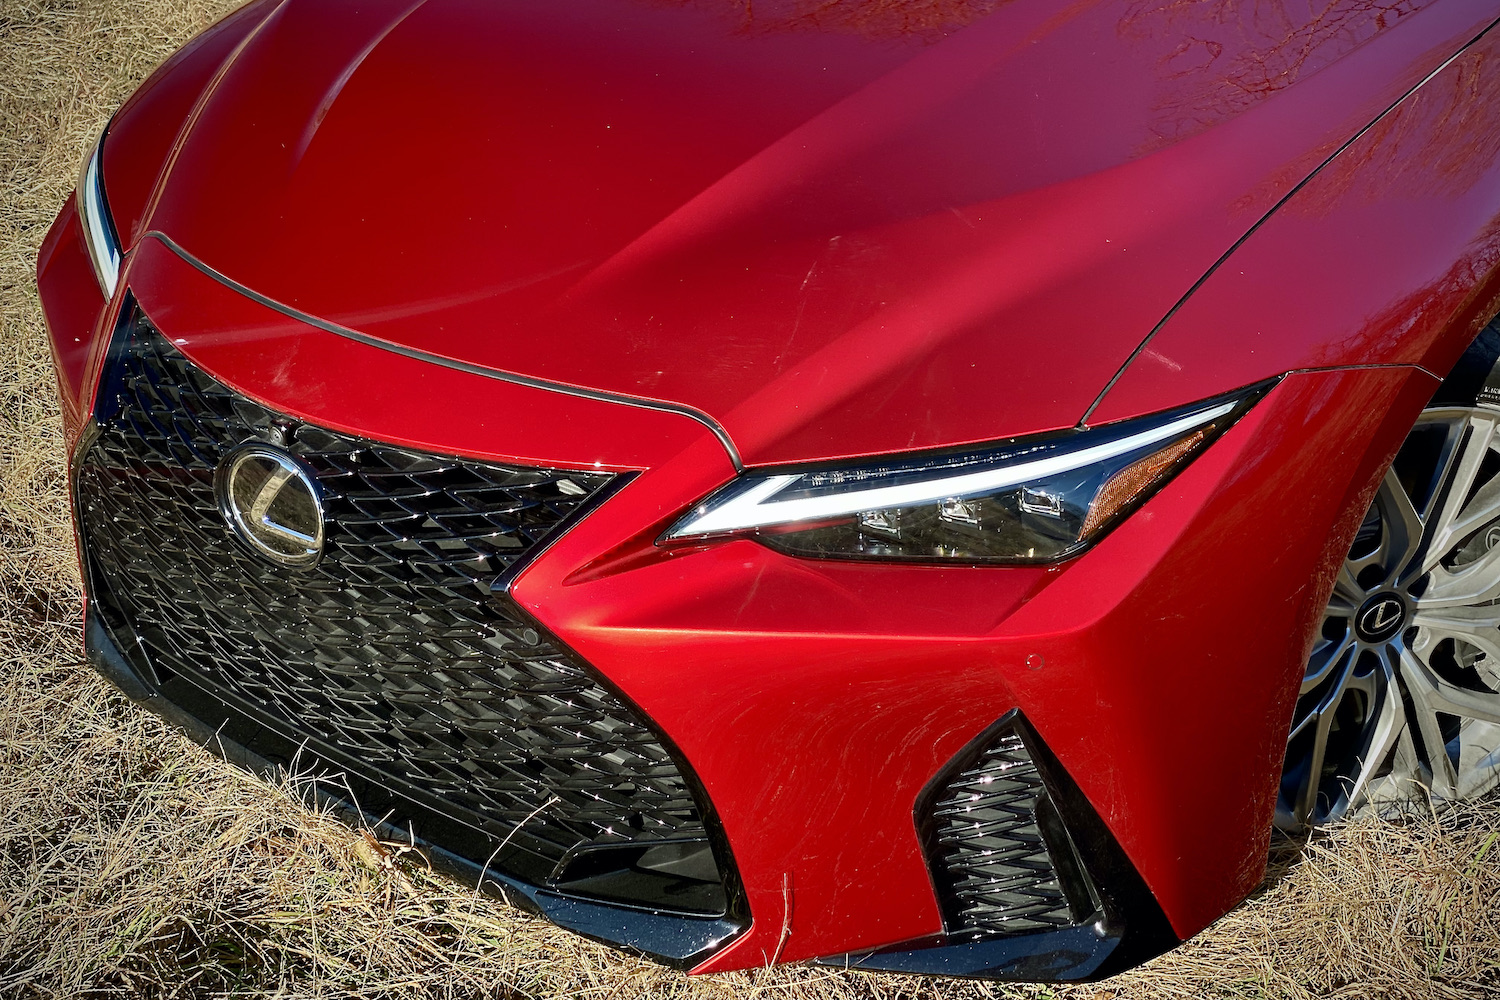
{"points": [[1380, 618]]}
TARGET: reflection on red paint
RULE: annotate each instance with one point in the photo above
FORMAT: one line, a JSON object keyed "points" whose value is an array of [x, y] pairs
{"points": [[1388, 256], [811, 224]]}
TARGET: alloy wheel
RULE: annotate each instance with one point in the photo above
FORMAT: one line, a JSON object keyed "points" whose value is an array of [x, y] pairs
{"points": [[1400, 700]]}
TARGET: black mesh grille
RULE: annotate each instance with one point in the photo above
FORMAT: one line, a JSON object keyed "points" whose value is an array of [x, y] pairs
{"points": [[990, 857], [391, 657]]}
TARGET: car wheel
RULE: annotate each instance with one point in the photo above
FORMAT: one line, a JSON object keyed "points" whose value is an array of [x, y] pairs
{"points": [[1400, 701]]}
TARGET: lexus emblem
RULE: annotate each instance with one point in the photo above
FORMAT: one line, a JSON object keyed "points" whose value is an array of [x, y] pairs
{"points": [[1380, 618], [272, 502]]}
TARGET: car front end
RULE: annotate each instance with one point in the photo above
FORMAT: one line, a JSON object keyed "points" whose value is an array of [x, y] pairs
{"points": [[752, 523]]}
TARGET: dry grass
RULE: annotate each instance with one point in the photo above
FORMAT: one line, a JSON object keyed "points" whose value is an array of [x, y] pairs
{"points": [[133, 863]]}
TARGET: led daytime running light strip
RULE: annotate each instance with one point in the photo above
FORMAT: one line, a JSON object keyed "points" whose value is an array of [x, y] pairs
{"points": [[97, 232], [758, 508]]}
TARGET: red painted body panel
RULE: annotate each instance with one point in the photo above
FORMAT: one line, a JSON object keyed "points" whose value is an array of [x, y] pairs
{"points": [[71, 304], [810, 234], [814, 699], [1319, 284]]}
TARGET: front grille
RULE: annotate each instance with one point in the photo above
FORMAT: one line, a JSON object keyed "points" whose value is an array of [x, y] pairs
{"points": [[391, 659], [1001, 858]]}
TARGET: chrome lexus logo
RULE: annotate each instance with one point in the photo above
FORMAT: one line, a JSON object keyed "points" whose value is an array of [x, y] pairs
{"points": [[1380, 618], [273, 503]]}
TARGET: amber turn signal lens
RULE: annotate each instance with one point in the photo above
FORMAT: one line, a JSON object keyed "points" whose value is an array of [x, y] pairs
{"points": [[1135, 479]]}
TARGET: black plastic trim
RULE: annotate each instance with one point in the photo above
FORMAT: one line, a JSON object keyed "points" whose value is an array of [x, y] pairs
{"points": [[1128, 929]]}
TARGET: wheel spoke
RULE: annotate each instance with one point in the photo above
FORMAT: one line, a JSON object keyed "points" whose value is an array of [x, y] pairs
{"points": [[1401, 537], [1330, 699], [1432, 694], [1476, 583], [1478, 626], [1321, 718], [1299, 725], [1484, 508], [1425, 730], [1308, 800], [1455, 426], [1347, 593], [1407, 779], [1325, 658], [1385, 731], [1476, 751], [1463, 466]]}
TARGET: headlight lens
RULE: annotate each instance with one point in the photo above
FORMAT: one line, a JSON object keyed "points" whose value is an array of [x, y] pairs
{"points": [[1026, 501], [98, 228]]}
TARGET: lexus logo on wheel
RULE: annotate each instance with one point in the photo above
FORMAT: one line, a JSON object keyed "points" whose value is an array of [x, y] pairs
{"points": [[1380, 618], [273, 503]]}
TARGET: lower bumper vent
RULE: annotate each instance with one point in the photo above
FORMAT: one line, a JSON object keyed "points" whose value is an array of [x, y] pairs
{"points": [[1032, 884], [1001, 858]]}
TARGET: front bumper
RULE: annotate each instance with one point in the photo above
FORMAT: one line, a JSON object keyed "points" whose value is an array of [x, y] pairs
{"points": [[815, 701]]}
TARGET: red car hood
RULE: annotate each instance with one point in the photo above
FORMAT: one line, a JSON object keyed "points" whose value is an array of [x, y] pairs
{"points": [[836, 229]]}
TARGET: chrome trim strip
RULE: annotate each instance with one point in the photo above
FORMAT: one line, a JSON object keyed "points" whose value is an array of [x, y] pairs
{"points": [[410, 352]]}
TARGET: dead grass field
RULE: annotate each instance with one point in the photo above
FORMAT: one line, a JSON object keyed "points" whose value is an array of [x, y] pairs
{"points": [[132, 863]]}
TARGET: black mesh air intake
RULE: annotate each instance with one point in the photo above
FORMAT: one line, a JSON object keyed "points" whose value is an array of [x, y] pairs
{"points": [[1002, 861], [1033, 885], [391, 659]]}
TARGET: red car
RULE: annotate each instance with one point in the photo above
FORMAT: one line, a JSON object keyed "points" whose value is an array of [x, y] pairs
{"points": [[912, 485]]}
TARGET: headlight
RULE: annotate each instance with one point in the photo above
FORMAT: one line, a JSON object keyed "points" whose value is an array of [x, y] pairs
{"points": [[1025, 501], [98, 228]]}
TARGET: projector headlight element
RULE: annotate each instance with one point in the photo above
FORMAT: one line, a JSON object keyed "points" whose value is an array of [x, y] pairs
{"points": [[1032, 500], [98, 228]]}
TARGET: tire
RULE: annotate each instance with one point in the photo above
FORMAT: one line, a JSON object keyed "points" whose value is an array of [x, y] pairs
{"points": [[1400, 700]]}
